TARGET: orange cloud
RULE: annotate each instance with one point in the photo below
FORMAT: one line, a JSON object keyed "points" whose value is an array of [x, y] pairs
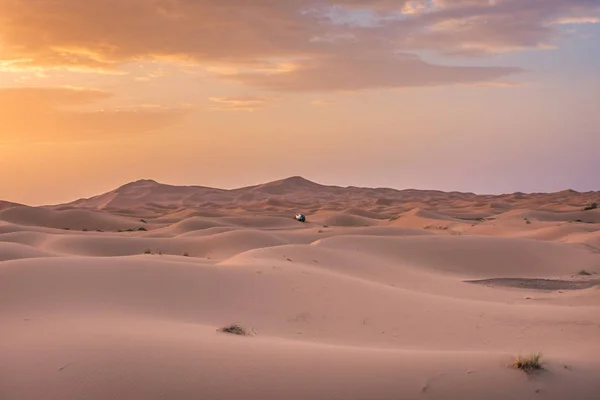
{"points": [[578, 20], [239, 103], [481, 27], [352, 72], [263, 35], [157, 73], [55, 114], [322, 103]]}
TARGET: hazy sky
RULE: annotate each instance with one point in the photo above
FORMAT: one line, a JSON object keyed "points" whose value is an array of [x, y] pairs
{"points": [[486, 96]]}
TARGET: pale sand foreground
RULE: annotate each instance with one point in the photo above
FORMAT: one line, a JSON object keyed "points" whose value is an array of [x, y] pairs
{"points": [[380, 295]]}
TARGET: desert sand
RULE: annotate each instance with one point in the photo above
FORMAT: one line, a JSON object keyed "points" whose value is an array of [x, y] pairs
{"points": [[381, 294]]}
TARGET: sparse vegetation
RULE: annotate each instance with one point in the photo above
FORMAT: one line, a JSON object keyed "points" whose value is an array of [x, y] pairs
{"points": [[85, 229], [582, 221], [527, 221], [235, 329], [395, 217], [142, 229], [583, 272], [478, 219], [147, 251], [186, 254], [529, 364], [143, 221], [592, 206], [441, 228]]}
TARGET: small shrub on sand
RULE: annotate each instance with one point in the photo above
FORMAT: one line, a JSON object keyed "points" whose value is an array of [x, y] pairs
{"points": [[186, 254], [143, 221], [147, 251], [529, 364], [592, 206], [583, 272], [142, 229], [235, 329]]}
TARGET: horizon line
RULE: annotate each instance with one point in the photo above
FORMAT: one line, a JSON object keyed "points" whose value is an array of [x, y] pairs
{"points": [[302, 178]]}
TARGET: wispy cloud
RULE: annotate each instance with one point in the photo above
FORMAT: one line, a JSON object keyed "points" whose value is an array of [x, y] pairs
{"points": [[55, 114], [351, 72], [240, 103], [577, 20], [155, 74], [322, 103], [323, 45]]}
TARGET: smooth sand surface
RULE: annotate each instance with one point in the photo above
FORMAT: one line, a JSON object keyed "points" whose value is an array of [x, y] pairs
{"points": [[381, 294]]}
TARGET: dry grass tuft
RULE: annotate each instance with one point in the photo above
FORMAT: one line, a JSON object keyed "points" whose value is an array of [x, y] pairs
{"points": [[235, 329], [528, 364]]}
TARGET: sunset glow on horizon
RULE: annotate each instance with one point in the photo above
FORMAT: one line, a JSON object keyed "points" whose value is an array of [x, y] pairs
{"points": [[486, 96]]}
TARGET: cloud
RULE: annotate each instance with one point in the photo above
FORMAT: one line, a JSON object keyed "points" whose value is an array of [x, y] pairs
{"points": [[352, 72], [578, 20], [314, 36], [56, 114], [48, 97], [481, 27], [240, 103], [322, 103], [155, 74]]}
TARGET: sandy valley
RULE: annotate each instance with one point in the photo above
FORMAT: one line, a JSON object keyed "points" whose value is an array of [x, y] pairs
{"points": [[380, 295]]}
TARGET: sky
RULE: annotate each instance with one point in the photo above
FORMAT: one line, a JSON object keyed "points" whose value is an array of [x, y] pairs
{"points": [[485, 96]]}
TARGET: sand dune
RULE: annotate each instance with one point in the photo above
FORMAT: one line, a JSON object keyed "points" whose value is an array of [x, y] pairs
{"points": [[68, 219], [348, 220], [15, 251], [381, 294], [7, 204], [158, 199], [194, 224]]}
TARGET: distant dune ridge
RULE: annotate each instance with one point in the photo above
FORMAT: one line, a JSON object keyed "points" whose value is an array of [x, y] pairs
{"points": [[290, 193], [7, 204], [380, 294]]}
